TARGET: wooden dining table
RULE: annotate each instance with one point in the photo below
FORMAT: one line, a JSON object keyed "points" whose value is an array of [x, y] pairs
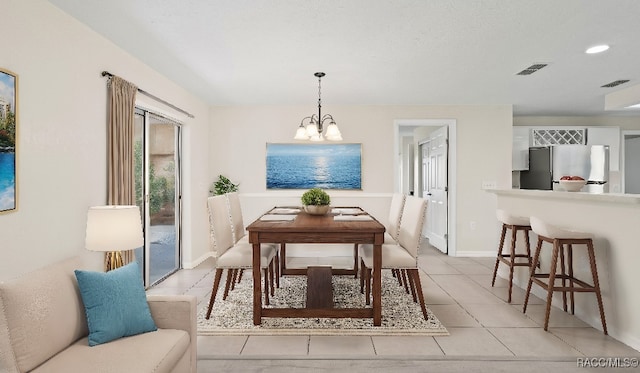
{"points": [[285, 225]]}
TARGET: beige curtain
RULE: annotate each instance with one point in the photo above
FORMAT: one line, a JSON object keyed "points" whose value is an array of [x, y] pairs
{"points": [[120, 144]]}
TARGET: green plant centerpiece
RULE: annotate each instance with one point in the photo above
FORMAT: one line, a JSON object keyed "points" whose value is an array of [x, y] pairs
{"points": [[316, 201], [222, 186]]}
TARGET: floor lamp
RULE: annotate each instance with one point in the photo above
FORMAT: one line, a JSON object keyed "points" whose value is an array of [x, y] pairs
{"points": [[112, 229]]}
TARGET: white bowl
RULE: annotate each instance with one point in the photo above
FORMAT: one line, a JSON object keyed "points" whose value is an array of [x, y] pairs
{"points": [[572, 185]]}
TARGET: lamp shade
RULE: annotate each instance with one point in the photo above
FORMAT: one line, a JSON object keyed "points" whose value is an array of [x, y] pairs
{"points": [[333, 132], [113, 228], [312, 129], [301, 134]]}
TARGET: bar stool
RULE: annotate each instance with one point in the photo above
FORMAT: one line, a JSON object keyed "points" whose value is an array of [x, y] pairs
{"points": [[515, 224], [560, 237]]}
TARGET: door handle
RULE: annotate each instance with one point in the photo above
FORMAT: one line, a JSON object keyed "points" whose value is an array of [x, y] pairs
{"points": [[428, 194]]}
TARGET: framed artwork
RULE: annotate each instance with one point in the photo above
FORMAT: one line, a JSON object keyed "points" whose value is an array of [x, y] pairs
{"points": [[305, 166], [8, 127]]}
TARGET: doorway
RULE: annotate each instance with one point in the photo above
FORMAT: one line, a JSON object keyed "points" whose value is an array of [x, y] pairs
{"points": [[631, 162], [413, 176], [158, 194]]}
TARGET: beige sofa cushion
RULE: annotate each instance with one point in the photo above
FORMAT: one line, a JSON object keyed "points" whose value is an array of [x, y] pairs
{"points": [[44, 311], [158, 351]]}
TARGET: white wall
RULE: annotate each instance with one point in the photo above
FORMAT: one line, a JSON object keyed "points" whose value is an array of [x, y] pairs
{"points": [[62, 135], [238, 136]]}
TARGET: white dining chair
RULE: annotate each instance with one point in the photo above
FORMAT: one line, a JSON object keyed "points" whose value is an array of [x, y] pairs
{"points": [[403, 254], [391, 233], [240, 235], [233, 255], [395, 216]]}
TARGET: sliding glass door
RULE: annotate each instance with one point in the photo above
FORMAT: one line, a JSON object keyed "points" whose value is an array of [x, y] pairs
{"points": [[157, 157]]}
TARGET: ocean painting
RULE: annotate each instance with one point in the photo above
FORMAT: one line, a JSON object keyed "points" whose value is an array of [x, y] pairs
{"points": [[305, 166], [8, 82]]}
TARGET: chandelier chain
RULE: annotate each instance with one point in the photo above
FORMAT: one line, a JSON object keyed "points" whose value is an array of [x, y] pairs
{"points": [[319, 92]]}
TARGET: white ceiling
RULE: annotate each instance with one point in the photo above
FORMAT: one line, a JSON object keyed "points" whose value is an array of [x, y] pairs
{"points": [[380, 52]]}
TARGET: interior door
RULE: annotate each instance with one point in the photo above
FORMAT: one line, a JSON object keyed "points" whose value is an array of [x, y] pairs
{"points": [[434, 154]]}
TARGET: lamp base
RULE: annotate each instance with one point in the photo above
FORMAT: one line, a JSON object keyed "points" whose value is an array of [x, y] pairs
{"points": [[112, 260]]}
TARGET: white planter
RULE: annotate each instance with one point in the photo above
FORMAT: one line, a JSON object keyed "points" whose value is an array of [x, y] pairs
{"points": [[317, 210]]}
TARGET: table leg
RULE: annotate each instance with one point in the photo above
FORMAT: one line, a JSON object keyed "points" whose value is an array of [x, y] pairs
{"points": [[377, 285], [257, 289]]}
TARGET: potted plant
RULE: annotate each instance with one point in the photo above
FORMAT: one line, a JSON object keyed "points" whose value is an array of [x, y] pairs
{"points": [[222, 186], [316, 201]]}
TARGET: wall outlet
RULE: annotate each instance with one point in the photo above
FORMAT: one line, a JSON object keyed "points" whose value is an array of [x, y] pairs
{"points": [[472, 225], [489, 184]]}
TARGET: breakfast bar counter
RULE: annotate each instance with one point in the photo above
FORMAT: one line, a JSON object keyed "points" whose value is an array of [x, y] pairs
{"points": [[612, 198], [614, 221]]}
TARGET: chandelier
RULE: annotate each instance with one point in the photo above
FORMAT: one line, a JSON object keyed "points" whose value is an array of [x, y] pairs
{"points": [[314, 126]]}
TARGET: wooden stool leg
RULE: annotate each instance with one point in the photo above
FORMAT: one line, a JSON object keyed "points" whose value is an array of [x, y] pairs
{"points": [[405, 282], [532, 271], [563, 275], [412, 285], [230, 273], [552, 278], [276, 262], [367, 281], [398, 276], [214, 291], [415, 276], [362, 269], [495, 269], [234, 277], [272, 270], [266, 285], [283, 258], [596, 284], [527, 245], [513, 260], [355, 260], [571, 284]]}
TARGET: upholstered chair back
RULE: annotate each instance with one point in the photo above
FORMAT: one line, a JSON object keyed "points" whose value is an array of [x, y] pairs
{"points": [[220, 224], [395, 214], [237, 222], [413, 215]]}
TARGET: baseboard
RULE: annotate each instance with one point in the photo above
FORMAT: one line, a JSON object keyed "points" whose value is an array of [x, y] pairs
{"points": [[627, 339], [476, 254], [198, 261]]}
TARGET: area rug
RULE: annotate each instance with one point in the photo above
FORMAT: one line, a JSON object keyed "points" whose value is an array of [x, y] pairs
{"points": [[400, 315]]}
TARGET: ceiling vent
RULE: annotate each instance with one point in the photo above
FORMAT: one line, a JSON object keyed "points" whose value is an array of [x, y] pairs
{"points": [[532, 69], [615, 83]]}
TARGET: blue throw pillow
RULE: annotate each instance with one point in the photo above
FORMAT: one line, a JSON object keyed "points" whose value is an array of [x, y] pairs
{"points": [[115, 303]]}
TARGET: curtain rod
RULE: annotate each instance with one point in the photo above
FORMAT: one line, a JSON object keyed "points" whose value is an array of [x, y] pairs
{"points": [[106, 73]]}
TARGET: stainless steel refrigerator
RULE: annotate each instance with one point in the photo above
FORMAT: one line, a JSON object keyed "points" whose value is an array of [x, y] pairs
{"points": [[549, 163]]}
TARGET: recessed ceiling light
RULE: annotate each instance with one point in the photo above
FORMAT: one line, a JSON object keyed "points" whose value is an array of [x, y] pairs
{"points": [[597, 49]]}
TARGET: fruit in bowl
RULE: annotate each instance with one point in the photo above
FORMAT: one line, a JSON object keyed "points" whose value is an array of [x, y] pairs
{"points": [[572, 183], [571, 178]]}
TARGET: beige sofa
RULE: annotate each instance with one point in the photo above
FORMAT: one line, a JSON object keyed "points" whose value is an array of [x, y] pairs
{"points": [[43, 328]]}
